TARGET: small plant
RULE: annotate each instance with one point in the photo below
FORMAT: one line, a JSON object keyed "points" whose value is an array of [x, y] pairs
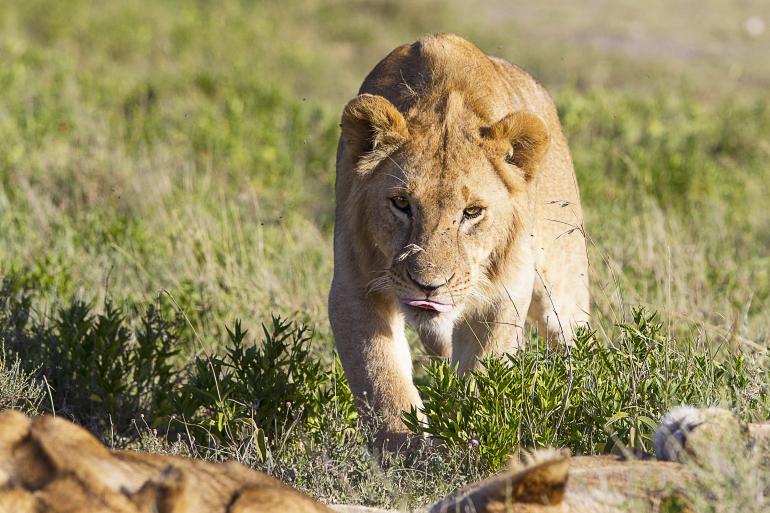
{"points": [[266, 390], [96, 366], [19, 390], [589, 398]]}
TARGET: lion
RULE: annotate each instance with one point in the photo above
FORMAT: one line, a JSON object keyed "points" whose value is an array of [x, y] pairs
{"points": [[48, 464], [457, 211]]}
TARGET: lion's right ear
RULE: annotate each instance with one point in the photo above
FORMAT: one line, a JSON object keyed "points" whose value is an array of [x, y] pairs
{"points": [[370, 122], [526, 138]]}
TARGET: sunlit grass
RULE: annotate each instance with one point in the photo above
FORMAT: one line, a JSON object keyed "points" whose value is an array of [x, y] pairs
{"points": [[181, 154]]}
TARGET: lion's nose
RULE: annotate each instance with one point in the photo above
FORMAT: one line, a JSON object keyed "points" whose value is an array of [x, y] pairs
{"points": [[428, 287]]}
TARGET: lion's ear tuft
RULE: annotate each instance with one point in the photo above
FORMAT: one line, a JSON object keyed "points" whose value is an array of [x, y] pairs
{"points": [[528, 137], [369, 122], [541, 481], [544, 480]]}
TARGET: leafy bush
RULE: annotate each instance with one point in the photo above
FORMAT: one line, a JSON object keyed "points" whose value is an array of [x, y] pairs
{"points": [[265, 390], [106, 366], [257, 396], [589, 398], [96, 365], [279, 406]]}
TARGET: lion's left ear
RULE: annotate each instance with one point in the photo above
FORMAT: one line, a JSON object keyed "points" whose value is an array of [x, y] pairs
{"points": [[528, 138], [370, 121]]}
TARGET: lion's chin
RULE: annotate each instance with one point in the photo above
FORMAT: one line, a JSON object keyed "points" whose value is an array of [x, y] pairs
{"points": [[426, 304]]}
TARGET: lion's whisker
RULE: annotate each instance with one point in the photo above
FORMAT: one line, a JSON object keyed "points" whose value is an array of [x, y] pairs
{"points": [[409, 250]]}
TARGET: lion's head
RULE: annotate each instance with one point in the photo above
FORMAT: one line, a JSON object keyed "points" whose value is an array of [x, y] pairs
{"points": [[438, 194]]}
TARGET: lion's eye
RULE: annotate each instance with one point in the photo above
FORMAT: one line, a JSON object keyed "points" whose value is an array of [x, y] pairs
{"points": [[472, 212], [401, 203]]}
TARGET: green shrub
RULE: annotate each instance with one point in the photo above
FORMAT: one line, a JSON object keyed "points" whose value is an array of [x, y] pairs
{"points": [[267, 389], [108, 367], [98, 366], [589, 398], [279, 405]]}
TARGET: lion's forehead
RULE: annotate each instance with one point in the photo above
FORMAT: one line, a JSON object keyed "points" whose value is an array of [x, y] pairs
{"points": [[444, 164], [454, 165], [449, 184]]}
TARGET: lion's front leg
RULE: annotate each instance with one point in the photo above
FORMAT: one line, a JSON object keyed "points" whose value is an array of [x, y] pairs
{"points": [[496, 329], [370, 339], [435, 335]]}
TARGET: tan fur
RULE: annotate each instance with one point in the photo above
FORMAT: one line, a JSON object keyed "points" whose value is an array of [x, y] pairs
{"points": [[50, 465], [716, 456], [446, 127]]}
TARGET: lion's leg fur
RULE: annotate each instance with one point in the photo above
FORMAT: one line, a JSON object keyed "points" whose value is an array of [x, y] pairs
{"points": [[375, 354], [496, 326], [558, 308], [494, 330], [436, 338]]}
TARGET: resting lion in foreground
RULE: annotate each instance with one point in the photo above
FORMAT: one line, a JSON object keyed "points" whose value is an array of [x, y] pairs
{"points": [[50, 465], [457, 211]]}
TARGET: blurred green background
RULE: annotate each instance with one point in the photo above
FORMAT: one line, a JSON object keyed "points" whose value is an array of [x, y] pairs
{"points": [[185, 148]]}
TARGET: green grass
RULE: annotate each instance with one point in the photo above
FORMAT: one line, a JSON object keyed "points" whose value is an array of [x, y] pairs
{"points": [[167, 169]]}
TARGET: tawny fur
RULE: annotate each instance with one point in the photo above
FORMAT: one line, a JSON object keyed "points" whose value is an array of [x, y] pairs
{"points": [[444, 126], [704, 455], [51, 465]]}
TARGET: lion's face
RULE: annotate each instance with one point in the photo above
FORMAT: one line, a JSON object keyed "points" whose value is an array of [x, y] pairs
{"points": [[437, 221], [438, 197]]}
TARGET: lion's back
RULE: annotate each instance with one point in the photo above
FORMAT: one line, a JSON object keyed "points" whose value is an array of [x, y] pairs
{"points": [[436, 64]]}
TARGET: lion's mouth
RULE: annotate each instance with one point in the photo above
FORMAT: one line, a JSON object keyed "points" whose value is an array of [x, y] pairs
{"points": [[428, 305]]}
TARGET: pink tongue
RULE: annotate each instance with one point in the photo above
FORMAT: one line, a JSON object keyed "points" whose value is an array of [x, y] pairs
{"points": [[428, 305]]}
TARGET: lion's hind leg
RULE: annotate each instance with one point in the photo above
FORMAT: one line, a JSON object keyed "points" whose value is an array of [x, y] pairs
{"points": [[558, 309]]}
